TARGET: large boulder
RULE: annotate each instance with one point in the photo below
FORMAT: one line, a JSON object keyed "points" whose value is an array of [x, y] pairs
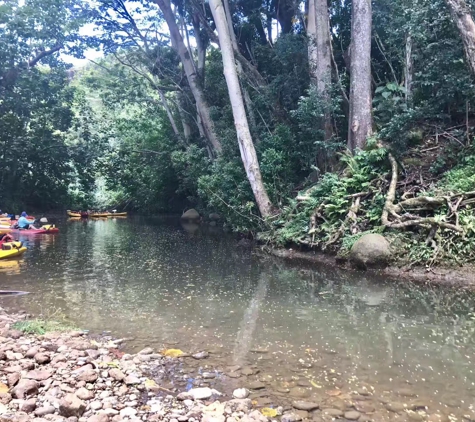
{"points": [[191, 215], [371, 251]]}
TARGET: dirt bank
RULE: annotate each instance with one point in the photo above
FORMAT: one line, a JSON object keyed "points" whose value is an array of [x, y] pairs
{"points": [[462, 277]]}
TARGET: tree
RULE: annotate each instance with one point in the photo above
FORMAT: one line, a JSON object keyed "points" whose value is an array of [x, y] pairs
{"points": [[461, 14], [191, 73], [360, 119], [246, 146], [319, 55]]}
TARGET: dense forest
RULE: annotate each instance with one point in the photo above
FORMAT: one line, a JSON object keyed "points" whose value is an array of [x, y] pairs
{"points": [[308, 122]]}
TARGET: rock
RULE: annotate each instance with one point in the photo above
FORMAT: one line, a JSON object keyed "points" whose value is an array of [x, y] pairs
{"points": [[364, 407], [214, 216], [371, 251], [395, 407], [32, 352], [71, 406], [185, 396], [352, 415], [14, 334], [247, 371], [191, 215], [334, 413], [256, 385], [128, 412], [415, 416], [99, 418], [12, 379], [305, 405], [201, 393], [405, 392], [299, 392], [43, 411], [146, 351], [240, 393], [85, 394], [132, 380], [291, 417], [201, 355], [39, 375], [95, 405], [5, 398], [25, 387], [208, 375], [28, 406], [42, 358], [116, 374], [213, 418], [89, 375]]}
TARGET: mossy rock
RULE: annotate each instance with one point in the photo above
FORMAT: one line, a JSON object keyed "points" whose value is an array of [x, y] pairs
{"points": [[371, 251]]}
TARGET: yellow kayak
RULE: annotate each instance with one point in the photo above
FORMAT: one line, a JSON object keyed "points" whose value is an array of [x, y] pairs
{"points": [[101, 215], [10, 250], [73, 214], [117, 214], [5, 230]]}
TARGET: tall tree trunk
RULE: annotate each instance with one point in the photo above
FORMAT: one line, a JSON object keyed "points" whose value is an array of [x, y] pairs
{"points": [[361, 119], [171, 118], [246, 146], [192, 77], [408, 70], [319, 55], [461, 14]]}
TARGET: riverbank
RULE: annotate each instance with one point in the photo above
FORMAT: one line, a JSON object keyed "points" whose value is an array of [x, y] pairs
{"points": [[68, 376], [463, 277]]}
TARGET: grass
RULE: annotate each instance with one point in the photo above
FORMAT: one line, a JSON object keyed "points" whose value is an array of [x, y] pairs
{"points": [[55, 322]]}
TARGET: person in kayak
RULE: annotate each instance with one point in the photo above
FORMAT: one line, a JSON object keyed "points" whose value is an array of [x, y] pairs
{"points": [[23, 223]]}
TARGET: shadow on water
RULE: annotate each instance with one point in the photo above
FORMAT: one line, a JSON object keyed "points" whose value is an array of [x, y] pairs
{"points": [[311, 327]]}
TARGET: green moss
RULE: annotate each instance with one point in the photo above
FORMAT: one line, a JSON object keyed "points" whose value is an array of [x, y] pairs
{"points": [[40, 326]]}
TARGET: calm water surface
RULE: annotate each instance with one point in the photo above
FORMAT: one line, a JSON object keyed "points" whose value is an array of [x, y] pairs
{"points": [[313, 328]]}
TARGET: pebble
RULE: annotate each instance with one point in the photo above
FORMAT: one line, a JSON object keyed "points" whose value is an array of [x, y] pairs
{"points": [[352, 415], [291, 417], [305, 405], [256, 385], [241, 393], [201, 355]]}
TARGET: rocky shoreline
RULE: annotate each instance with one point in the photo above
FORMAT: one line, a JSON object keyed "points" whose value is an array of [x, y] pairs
{"points": [[67, 376]]}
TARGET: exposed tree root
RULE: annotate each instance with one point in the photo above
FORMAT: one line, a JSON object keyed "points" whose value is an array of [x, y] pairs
{"points": [[421, 203]]}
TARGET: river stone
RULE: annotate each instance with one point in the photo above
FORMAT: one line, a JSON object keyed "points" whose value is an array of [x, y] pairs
{"points": [[39, 375], [256, 385], [352, 415], [415, 416], [336, 413], [371, 251], [299, 392], [43, 411], [85, 394], [131, 380], [42, 358], [25, 387], [99, 418], [12, 379], [305, 405], [28, 405], [191, 214], [214, 216], [405, 392], [32, 352], [395, 407], [201, 355], [116, 374], [247, 371], [146, 351], [71, 406], [14, 334], [128, 412], [89, 375], [201, 393], [5, 398], [364, 407], [291, 417], [95, 405], [240, 393]]}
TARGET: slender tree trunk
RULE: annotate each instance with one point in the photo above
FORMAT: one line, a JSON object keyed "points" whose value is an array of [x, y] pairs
{"points": [[246, 146], [183, 115], [171, 118], [461, 14], [408, 69], [200, 46], [361, 119], [319, 55], [192, 77]]}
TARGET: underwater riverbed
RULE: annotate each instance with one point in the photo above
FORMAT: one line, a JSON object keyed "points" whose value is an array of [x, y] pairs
{"points": [[312, 332]]}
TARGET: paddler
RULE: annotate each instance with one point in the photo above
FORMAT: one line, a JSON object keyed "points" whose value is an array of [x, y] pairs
{"points": [[23, 223]]}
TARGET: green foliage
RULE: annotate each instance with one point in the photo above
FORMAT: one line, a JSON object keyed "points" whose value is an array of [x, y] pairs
{"points": [[40, 326]]}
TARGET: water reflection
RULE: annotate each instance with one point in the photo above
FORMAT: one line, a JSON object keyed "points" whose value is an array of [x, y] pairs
{"points": [[162, 282]]}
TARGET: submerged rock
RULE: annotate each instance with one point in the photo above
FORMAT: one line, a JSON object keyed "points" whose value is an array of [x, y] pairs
{"points": [[191, 215], [371, 251]]}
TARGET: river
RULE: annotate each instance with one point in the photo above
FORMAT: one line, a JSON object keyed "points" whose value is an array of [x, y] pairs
{"points": [[303, 331]]}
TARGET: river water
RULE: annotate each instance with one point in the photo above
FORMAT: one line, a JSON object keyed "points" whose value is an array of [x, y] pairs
{"points": [[303, 331]]}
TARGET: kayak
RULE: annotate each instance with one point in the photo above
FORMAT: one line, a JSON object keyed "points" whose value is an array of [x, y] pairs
{"points": [[12, 252], [100, 215], [117, 214], [73, 214], [47, 229]]}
